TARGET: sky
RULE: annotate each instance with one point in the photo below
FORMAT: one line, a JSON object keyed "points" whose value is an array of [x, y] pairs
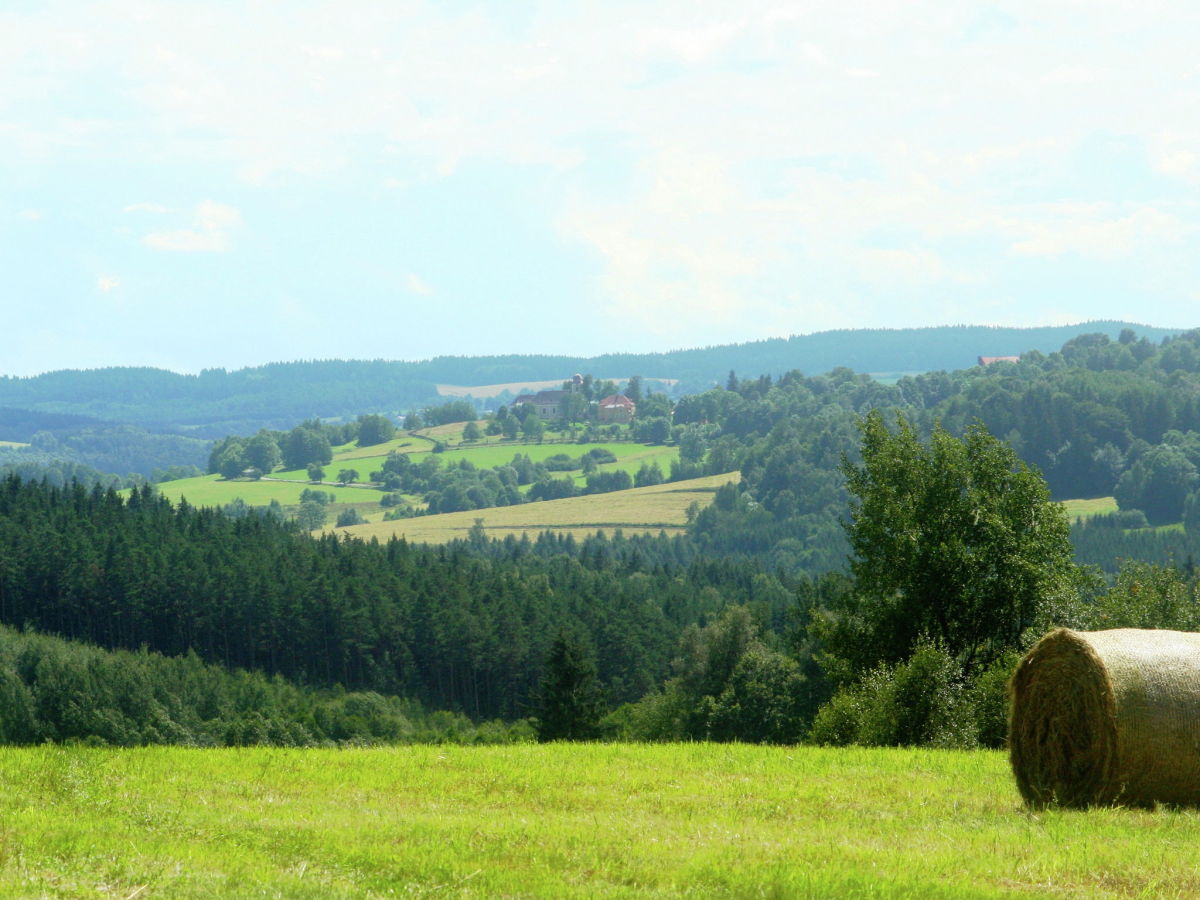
{"points": [[195, 185]]}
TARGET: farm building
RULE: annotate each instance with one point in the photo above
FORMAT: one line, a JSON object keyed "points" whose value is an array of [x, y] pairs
{"points": [[547, 404], [616, 408]]}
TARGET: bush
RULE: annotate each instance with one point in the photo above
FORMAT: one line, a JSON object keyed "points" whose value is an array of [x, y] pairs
{"points": [[561, 462], [921, 701], [604, 482], [349, 517], [836, 723], [553, 489], [762, 701], [989, 701], [658, 717], [601, 455]]}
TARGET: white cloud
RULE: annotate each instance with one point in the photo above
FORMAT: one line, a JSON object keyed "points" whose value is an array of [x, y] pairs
{"points": [[32, 215], [210, 231], [414, 284], [720, 116], [1072, 75], [902, 268], [107, 283], [1096, 230], [147, 208]]}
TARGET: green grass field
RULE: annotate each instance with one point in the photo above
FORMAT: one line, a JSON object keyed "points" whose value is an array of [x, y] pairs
{"points": [[662, 507], [212, 490], [1085, 509], [598, 820], [629, 456], [286, 486]]}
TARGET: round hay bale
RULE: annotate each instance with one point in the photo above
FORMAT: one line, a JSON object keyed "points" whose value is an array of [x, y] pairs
{"points": [[1103, 717]]}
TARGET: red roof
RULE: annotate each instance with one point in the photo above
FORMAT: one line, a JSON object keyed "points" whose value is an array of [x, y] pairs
{"points": [[614, 400]]}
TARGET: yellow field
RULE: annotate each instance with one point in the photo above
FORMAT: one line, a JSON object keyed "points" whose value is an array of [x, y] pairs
{"points": [[12, 444], [522, 387], [491, 390], [637, 511]]}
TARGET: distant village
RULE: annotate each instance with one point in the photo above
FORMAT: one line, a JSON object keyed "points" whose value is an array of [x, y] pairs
{"points": [[615, 409]]}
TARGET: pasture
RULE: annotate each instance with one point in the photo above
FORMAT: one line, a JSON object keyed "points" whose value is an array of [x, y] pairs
{"points": [[662, 507], [563, 820], [1085, 509], [286, 486], [485, 456], [212, 490]]}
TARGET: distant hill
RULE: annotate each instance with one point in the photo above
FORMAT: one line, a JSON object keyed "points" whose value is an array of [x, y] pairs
{"points": [[873, 350], [278, 395], [216, 402]]}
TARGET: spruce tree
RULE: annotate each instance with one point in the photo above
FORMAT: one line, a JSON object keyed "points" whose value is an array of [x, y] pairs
{"points": [[571, 702]]}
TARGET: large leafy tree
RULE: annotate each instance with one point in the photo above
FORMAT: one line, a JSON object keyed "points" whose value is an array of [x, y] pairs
{"points": [[375, 429], [1158, 484], [305, 445], [954, 539]]}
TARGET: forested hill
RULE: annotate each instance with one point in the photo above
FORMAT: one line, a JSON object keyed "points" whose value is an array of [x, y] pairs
{"points": [[874, 350], [218, 402]]}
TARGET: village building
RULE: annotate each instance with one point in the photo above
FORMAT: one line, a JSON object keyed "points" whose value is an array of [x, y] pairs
{"points": [[547, 404], [616, 409], [988, 360]]}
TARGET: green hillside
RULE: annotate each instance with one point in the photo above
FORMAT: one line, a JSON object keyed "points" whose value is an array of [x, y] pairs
{"points": [[286, 487]]}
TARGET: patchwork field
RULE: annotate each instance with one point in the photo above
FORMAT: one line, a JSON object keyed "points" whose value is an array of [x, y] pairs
{"points": [[662, 507], [287, 486], [561, 820]]}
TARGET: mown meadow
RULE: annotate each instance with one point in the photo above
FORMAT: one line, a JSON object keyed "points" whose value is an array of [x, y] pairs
{"points": [[562, 820], [645, 510]]}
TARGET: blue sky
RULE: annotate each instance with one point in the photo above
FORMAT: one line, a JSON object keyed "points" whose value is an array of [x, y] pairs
{"points": [[191, 185]]}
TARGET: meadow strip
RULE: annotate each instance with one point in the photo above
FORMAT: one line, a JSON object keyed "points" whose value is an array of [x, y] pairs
{"points": [[560, 820]]}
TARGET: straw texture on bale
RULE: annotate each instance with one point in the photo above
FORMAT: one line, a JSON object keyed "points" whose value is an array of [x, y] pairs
{"points": [[1104, 717]]}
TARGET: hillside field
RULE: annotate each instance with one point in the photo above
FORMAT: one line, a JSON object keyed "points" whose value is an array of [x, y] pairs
{"points": [[1085, 509], [662, 507], [287, 486], [563, 820]]}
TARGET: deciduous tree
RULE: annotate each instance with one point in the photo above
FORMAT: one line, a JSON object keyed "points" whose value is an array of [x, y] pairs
{"points": [[954, 539]]}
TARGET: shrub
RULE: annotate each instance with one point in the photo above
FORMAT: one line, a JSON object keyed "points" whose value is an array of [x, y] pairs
{"points": [[601, 455], [921, 701], [561, 462], [989, 701]]}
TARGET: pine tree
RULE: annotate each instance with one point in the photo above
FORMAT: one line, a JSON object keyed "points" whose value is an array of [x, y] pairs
{"points": [[571, 700]]}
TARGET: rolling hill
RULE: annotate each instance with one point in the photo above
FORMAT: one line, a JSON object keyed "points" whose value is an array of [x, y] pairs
{"points": [[217, 402]]}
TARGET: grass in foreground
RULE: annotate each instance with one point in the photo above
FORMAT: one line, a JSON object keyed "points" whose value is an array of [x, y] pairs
{"points": [[662, 507], [564, 821]]}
